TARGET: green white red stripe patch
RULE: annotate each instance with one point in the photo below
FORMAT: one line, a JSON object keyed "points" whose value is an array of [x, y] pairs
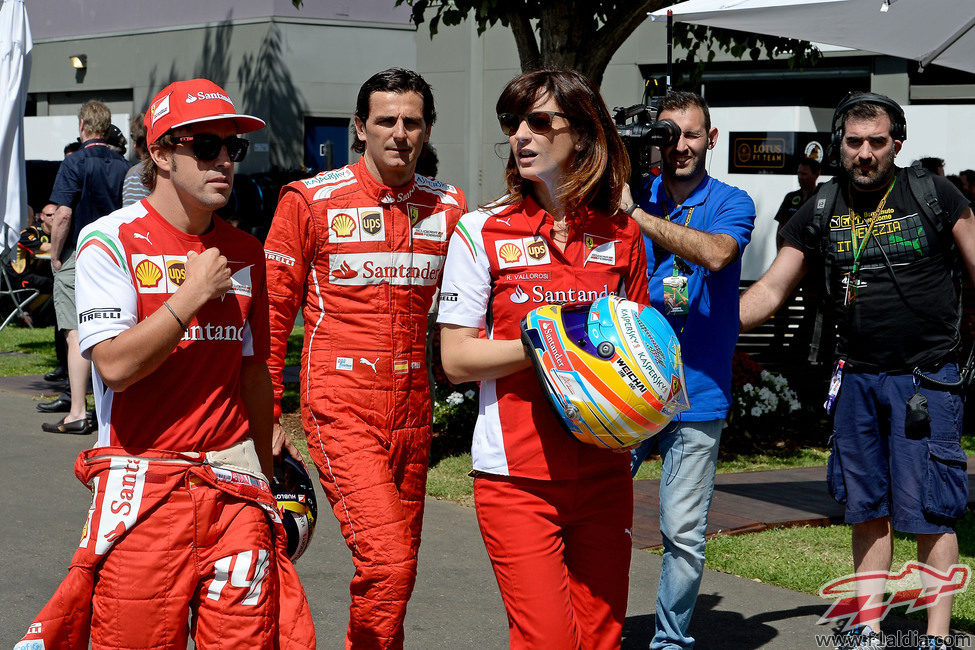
{"points": [[467, 239], [102, 241]]}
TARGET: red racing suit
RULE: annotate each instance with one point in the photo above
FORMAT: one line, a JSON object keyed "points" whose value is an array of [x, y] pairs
{"points": [[555, 513], [215, 535], [173, 542], [363, 260]]}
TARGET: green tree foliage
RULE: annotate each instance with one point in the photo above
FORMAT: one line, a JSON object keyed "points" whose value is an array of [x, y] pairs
{"points": [[584, 34]]}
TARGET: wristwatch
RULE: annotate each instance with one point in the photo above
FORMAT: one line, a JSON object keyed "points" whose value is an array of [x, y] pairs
{"points": [[629, 210]]}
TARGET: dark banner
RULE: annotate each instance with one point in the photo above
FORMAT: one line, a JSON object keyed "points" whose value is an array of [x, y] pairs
{"points": [[774, 152]]}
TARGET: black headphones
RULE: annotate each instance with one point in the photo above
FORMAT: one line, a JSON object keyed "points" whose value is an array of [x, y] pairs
{"points": [[898, 123]]}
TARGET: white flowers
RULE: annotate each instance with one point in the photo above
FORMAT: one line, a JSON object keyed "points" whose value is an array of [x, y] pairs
{"points": [[773, 396], [457, 408]]}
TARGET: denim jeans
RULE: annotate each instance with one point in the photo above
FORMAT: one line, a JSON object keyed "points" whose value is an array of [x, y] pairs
{"points": [[689, 451]]}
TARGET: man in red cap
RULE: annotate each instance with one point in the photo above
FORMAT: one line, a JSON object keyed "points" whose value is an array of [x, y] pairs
{"points": [[172, 310]]}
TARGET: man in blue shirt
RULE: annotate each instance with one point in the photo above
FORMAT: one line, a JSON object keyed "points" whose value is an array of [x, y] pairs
{"points": [[88, 186], [695, 229]]}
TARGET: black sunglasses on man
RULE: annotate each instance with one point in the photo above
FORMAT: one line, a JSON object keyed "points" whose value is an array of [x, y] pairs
{"points": [[207, 146]]}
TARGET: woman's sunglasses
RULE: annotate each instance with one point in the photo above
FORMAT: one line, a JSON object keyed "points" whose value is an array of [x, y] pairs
{"points": [[539, 122], [206, 146]]}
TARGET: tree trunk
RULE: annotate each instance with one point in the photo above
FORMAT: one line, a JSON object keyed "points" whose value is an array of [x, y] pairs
{"points": [[524, 33], [570, 35]]}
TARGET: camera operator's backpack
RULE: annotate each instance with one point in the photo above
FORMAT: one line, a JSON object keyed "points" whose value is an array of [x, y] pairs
{"points": [[923, 191]]}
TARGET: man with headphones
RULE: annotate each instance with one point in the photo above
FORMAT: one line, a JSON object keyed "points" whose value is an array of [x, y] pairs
{"points": [[695, 229], [892, 252]]}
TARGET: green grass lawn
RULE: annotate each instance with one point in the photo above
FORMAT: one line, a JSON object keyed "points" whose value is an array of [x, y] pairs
{"points": [[804, 559], [26, 351]]}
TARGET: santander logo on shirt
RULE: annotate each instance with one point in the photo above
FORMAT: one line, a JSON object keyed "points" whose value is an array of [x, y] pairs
{"points": [[385, 268], [540, 295]]}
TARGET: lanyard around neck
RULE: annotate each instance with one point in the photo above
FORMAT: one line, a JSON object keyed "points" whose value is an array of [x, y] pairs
{"points": [[677, 260], [858, 250]]}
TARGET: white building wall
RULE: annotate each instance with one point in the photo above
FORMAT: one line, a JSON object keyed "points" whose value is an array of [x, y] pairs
{"points": [[279, 68]]}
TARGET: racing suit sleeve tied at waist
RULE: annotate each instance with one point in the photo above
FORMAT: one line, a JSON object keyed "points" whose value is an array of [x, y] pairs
{"points": [[126, 490]]}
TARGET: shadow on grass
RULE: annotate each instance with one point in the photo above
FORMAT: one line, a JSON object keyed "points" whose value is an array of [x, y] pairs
{"points": [[36, 347]]}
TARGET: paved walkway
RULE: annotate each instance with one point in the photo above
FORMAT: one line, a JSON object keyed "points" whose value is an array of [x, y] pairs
{"points": [[456, 602]]}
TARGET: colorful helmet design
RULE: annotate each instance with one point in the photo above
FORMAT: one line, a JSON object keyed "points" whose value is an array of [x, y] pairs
{"points": [[295, 494], [611, 369]]}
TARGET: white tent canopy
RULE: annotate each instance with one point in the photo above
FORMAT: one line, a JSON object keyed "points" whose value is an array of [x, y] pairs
{"points": [[928, 31], [15, 47]]}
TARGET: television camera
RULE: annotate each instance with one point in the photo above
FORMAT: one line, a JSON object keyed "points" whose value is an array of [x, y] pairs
{"points": [[640, 130]]}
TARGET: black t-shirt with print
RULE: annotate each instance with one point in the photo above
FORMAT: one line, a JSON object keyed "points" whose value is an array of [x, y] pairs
{"points": [[905, 312]]}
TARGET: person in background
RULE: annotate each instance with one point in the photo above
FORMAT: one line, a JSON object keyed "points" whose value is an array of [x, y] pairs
{"points": [[88, 186], [934, 165], [807, 174], [62, 404], [894, 464], [132, 188], [696, 229], [968, 183]]}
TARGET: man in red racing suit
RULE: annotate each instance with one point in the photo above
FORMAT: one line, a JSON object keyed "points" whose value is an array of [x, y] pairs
{"points": [[360, 249], [173, 314]]}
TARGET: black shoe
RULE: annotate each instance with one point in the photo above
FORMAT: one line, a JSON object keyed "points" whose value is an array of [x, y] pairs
{"points": [[61, 405], [78, 427], [57, 375]]}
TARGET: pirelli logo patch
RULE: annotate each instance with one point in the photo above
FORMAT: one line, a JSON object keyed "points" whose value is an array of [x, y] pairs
{"points": [[275, 256], [101, 313]]}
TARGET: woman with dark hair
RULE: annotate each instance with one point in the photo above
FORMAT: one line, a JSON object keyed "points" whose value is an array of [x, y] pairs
{"points": [[554, 513]]}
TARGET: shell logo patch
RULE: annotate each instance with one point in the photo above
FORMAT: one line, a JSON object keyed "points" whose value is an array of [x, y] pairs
{"points": [[342, 225], [148, 274], [509, 253]]}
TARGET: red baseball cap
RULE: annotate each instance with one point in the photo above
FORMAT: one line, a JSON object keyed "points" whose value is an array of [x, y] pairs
{"points": [[188, 102]]}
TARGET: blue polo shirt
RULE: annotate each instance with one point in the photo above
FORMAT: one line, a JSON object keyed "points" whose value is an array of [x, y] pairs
{"points": [[709, 332], [89, 182]]}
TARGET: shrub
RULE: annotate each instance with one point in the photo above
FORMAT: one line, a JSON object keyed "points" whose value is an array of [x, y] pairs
{"points": [[766, 413], [454, 408]]}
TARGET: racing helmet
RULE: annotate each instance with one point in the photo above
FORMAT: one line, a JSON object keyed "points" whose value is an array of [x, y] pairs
{"points": [[611, 368], [295, 494]]}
